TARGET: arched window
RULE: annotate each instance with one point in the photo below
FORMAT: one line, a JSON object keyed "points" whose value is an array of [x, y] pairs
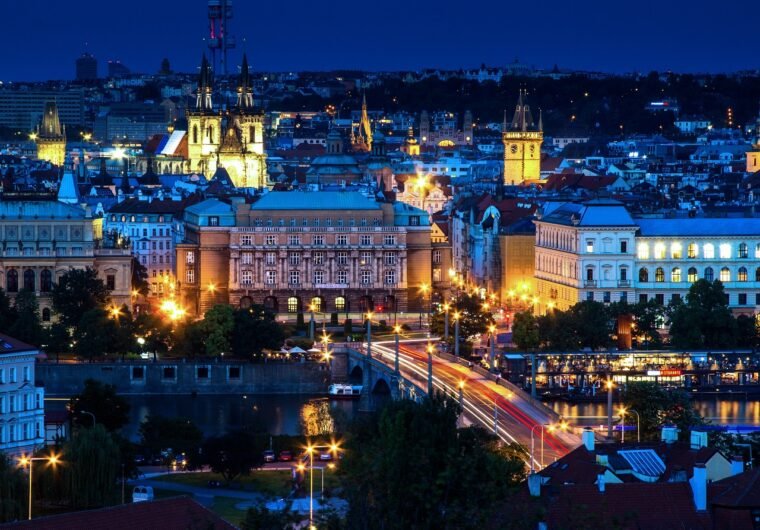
{"points": [[590, 274], [293, 304], [725, 274], [757, 250], [195, 134], [340, 303], [643, 275], [211, 134], [741, 276], [709, 274], [709, 251], [676, 251], [46, 281], [742, 251], [692, 274], [659, 251], [46, 314], [692, 251], [316, 304], [757, 274], [29, 280], [675, 275], [11, 284], [659, 275]]}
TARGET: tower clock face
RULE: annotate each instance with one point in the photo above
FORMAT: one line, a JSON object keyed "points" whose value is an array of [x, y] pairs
{"points": [[513, 148]]}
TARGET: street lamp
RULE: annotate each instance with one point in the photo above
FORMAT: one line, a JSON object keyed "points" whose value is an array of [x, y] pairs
{"points": [[623, 411], [311, 321], [397, 332], [369, 334], [492, 330], [28, 461], [457, 315], [562, 425], [424, 288], [89, 414], [446, 308], [311, 449], [610, 386], [429, 350]]}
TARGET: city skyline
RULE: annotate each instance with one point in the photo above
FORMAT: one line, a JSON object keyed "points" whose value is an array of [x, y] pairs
{"points": [[435, 35]]}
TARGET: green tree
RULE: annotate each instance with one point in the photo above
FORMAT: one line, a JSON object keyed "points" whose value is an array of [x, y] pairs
{"points": [[704, 320], [94, 334], [473, 320], [27, 326], [592, 323], [139, 278], [746, 331], [525, 331], [58, 339], [255, 329], [92, 466], [189, 339], [556, 331], [179, 434], [110, 410], [78, 291], [217, 325], [657, 407], [13, 493], [451, 478], [233, 454], [647, 317]]}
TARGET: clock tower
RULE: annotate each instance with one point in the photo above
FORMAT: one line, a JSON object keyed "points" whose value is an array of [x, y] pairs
{"points": [[522, 145]]}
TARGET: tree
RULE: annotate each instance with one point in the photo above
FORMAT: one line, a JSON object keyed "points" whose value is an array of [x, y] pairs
{"points": [[27, 326], [94, 334], [78, 291], [556, 331], [704, 320], [110, 410], [746, 332], [657, 407], [179, 434], [525, 331], [12, 490], [232, 454], [217, 325], [473, 320], [93, 464], [7, 313], [592, 324], [139, 278], [255, 329], [647, 316], [451, 477]]}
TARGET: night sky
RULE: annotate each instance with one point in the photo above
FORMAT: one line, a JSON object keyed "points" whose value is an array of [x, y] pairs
{"points": [[41, 39]]}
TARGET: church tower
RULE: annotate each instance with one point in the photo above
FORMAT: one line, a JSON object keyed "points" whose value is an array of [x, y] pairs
{"points": [[753, 159], [204, 126], [522, 145], [363, 140], [51, 136]]}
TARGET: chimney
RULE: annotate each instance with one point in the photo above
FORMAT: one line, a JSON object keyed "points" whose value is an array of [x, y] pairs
{"points": [[534, 484], [600, 482], [669, 434], [698, 483], [737, 465], [698, 439], [588, 439]]}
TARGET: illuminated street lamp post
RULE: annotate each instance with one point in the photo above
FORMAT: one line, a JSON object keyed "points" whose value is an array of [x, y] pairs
{"points": [[424, 288], [610, 386], [311, 321], [446, 308], [429, 350], [492, 330], [562, 425], [311, 449], [369, 334], [29, 461], [457, 315], [623, 411], [397, 332]]}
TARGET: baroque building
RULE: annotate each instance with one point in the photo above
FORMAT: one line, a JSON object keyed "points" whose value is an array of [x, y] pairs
{"points": [[338, 251], [522, 145], [51, 136], [233, 140]]}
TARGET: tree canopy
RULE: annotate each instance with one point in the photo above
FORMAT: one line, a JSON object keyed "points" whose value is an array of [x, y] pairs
{"points": [[110, 410], [704, 320], [232, 454], [77, 292], [658, 406]]}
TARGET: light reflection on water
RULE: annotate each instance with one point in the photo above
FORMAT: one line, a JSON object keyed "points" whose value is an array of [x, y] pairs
{"points": [[719, 411]]}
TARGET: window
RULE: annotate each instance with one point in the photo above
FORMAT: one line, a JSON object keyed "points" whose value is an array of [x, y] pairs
{"points": [[270, 277], [366, 277], [319, 276], [709, 274], [659, 251], [294, 258], [270, 241], [110, 282], [189, 276], [675, 298], [316, 304], [692, 250], [342, 277], [169, 372], [342, 258], [757, 251], [741, 275], [340, 303], [623, 274], [675, 275], [742, 298], [437, 274], [414, 220], [436, 257], [189, 258], [659, 298], [365, 258], [659, 274], [390, 277], [11, 281], [709, 251], [246, 240], [590, 246], [319, 258], [606, 297], [294, 240], [318, 240], [624, 246], [233, 372], [590, 296], [590, 274], [46, 315], [691, 275], [270, 258], [293, 304], [342, 239], [363, 221], [643, 251], [757, 274], [213, 220], [366, 239], [676, 251], [29, 280], [295, 277], [26, 375], [390, 257], [246, 258], [389, 240], [725, 274], [725, 250]]}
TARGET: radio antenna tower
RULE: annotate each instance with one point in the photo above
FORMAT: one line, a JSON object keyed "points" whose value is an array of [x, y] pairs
{"points": [[220, 40]]}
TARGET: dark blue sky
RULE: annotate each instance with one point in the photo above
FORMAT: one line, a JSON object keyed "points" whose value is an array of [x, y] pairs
{"points": [[40, 39]]}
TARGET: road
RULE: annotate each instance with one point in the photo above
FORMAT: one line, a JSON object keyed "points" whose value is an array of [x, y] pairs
{"points": [[484, 401]]}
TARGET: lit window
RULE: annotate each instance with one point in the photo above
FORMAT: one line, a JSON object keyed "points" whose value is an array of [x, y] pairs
{"points": [[675, 275], [293, 304], [725, 250], [692, 250], [590, 246], [643, 251], [189, 276], [709, 251], [316, 304], [659, 275], [692, 275], [676, 251], [659, 251], [742, 250], [741, 275], [725, 274], [340, 303]]}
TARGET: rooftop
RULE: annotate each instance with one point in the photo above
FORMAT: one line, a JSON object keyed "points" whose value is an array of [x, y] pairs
{"points": [[314, 200]]}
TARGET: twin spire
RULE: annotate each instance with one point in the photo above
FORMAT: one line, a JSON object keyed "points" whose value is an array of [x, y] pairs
{"points": [[203, 100], [523, 119]]}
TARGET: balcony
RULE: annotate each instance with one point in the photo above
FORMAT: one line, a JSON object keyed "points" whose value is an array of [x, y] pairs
{"points": [[624, 283], [589, 283]]}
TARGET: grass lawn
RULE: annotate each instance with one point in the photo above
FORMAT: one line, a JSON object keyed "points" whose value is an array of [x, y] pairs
{"points": [[223, 506]]}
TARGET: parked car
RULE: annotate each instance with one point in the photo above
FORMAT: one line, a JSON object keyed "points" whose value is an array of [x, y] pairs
{"points": [[286, 456], [269, 456], [139, 460], [325, 455], [142, 494]]}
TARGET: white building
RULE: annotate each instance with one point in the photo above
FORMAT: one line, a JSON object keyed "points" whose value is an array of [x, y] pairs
{"points": [[22, 412]]}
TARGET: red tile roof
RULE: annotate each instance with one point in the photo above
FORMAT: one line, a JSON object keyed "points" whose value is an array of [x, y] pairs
{"points": [[177, 513]]}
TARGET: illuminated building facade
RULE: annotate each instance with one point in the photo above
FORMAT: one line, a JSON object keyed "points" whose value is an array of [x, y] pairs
{"points": [[753, 159], [51, 136], [522, 145]]}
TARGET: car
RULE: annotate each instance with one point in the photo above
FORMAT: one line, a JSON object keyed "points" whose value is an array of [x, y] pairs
{"points": [[180, 462], [139, 460], [269, 456], [145, 355], [325, 455], [286, 456]]}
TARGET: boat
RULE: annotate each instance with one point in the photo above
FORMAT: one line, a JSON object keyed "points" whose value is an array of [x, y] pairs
{"points": [[339, 391]]}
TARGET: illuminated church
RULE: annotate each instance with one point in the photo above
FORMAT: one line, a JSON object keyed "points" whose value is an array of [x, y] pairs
{"points": [[361, 141], [51, 136], [522, 145], [233, 140]]}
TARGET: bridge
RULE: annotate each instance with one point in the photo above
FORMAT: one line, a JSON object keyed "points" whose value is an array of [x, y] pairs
{"points": [[485, 399]]}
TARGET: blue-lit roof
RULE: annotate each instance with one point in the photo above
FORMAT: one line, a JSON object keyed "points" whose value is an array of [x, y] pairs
{"points": [[210, 207], [699, 226], [644, 461], [12, 209], [315, 200], [597, 212]]}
